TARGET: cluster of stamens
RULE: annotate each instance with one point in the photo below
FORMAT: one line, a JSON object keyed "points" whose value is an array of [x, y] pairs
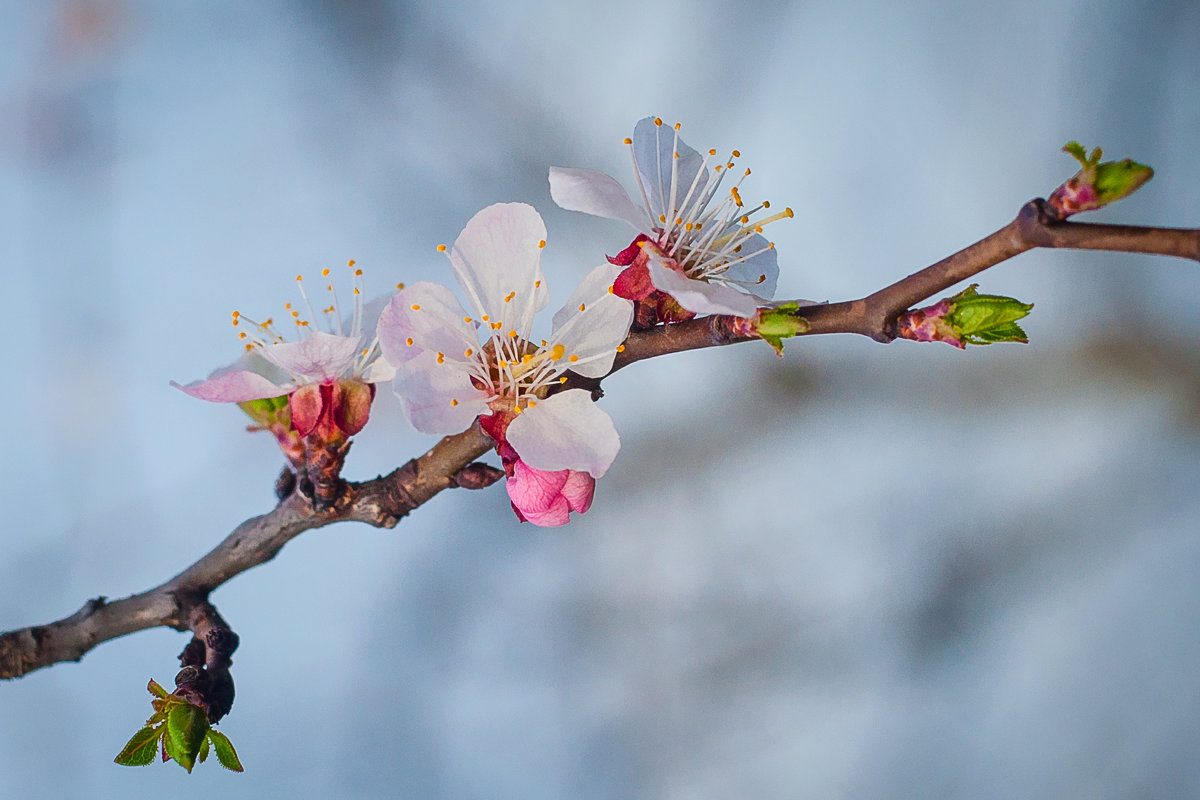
{"points": [[508, 363], [705, 240], [263, 335]]}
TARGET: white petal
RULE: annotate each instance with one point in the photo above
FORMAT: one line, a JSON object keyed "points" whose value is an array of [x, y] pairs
{"points": [[597, 194], [370, 314], [318, 357], [764, 264], [380, 371], [654, 149], [565, 431], [428, 391], [497, 261], [594, 333], [698, 296], [239, 381], [435, 324]]}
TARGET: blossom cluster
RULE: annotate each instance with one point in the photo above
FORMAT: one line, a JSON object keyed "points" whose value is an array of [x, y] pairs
{"points": [[454, 359]]}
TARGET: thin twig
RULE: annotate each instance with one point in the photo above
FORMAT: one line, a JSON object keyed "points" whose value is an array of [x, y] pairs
{"points": [[384, 501]]}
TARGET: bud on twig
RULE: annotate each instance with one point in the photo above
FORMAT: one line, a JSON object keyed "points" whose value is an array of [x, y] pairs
{"points": [[774, 324], [966, 318], [1095, 185]]}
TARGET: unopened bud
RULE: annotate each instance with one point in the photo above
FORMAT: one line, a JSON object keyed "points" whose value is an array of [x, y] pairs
{"points": [[1096, 184], [966, 318]]}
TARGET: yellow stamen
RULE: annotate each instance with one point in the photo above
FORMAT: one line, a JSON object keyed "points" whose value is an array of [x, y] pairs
{"points": [[620, 348], [573, 359], [469, 352], [415, 307], [453, 402], [441, 248], [399, 286], [351, 263], [541, 243], [409, 341], [557, 352]]}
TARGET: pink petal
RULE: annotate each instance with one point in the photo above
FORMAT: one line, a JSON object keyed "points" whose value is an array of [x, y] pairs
{"points": [[436, 324], [700, 297], [594, 333], [318, 357], [497, 261], [537, 496], [579, 490], [438, 398], [566, 431], [233, 387], [595, 193]]}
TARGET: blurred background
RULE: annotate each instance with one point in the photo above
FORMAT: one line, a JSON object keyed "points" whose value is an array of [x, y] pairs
{"points": [[857, 571]]}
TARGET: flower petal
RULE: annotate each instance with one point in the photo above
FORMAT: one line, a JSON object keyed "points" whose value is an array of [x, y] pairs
{"points": [[698, 296], [579, 490], [565, 431], [662, 157], [597, 194], [438, 398], [762, 262], [430, 315], [594, 333], [537, 495], [497, 261], [245, 379], [318, 357]]}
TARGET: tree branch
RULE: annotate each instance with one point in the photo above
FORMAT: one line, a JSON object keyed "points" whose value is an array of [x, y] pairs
{"points": [[873, 316], [182, 602]]}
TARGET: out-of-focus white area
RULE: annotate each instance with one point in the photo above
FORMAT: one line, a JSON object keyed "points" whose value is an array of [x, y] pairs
{"points": [[857, 571]]}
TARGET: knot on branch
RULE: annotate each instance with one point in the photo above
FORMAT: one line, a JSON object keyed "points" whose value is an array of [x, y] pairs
{"points": [[476, 475], [204, 678]]}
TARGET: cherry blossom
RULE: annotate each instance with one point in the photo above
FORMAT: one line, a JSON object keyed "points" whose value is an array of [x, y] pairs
{"points": [[709, 255], [455, 362], [326, 375]]}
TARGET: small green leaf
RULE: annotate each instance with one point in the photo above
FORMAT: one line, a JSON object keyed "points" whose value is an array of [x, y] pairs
{"points": [[973, 312], [157, 690], [774, 324], [202, 756], [267, 410], [186, 725], [140, 750], [1008, 332], [1077, 150], [225, 752]]}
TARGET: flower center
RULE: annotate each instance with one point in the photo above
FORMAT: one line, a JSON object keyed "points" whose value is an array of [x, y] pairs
{"points": [[262, 336], [705, 238]]}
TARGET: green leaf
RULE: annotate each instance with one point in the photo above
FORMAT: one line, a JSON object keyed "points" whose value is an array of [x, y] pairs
{"points": [[140, 749], [1008, 332], [202, 756], [774, 324], [1077, 150], [186, 725], [267, 410], [225, 752], [156, 690]]}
